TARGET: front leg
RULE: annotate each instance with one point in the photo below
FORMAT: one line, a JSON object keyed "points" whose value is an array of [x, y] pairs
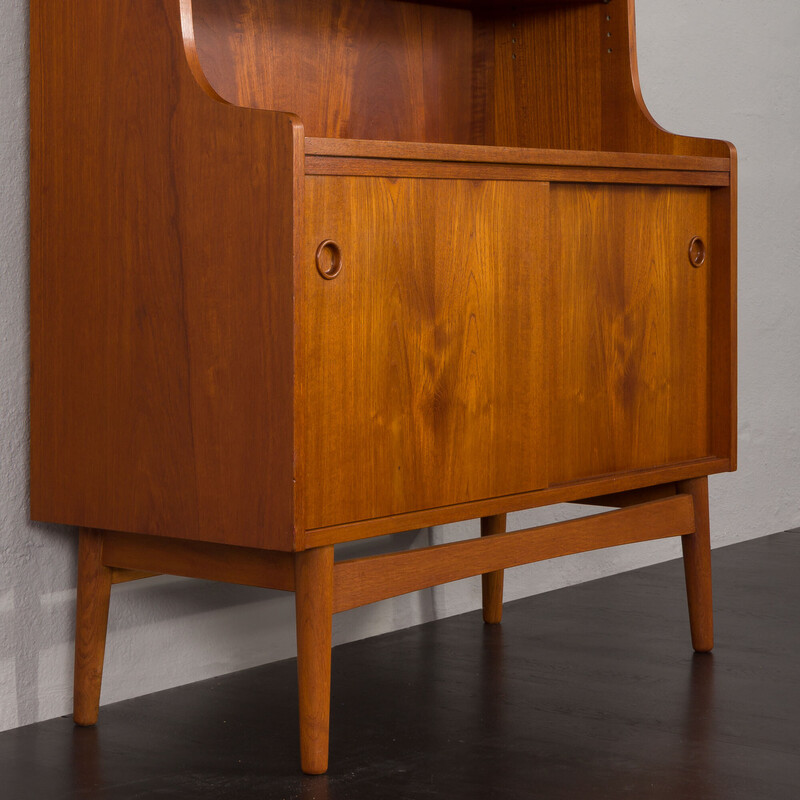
{"points": [[314, 611], [492, 582], [697, 566], [91, 623]]}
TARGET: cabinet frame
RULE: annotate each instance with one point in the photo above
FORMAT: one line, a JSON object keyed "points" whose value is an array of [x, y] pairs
{"points": [[171, 142]]}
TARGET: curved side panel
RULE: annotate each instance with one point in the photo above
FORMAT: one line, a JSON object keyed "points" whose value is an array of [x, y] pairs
{"points": [[162, 249], [192, 55], [565, 77], [628, 125]]}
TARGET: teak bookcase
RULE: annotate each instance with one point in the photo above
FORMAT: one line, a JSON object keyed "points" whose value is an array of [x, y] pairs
{"points": [[311, 271]]}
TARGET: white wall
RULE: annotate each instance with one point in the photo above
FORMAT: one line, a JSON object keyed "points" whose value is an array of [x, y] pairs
{"points": [[722, 68]]}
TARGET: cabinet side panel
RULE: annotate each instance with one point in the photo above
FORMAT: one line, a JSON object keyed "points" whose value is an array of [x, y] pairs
{"points": [[630, 330], [628, 125], [724, 319], [161, 299]]}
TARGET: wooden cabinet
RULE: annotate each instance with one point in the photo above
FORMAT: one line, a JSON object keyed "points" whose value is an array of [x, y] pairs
{"points": [[306, 273]]}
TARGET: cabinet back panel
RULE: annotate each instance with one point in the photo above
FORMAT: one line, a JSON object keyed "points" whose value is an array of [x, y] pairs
{"points": [[538, 78], [629, 333], [425, 362], [361, 69]]}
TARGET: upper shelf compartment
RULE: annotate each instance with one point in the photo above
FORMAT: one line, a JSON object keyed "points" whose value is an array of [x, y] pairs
{"points": [[526, 74]]}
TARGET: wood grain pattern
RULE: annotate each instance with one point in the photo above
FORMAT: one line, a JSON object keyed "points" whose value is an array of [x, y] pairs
{"points": [[545, 69], [367, 580], [177, 366], [492, 582], [314, 616], [425, 365], [697, 567], [91, 621], [634, 393], [371, 69], [162, 247]]}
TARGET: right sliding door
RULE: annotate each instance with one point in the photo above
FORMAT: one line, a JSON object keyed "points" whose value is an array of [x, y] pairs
{"points": [[628, 328]]}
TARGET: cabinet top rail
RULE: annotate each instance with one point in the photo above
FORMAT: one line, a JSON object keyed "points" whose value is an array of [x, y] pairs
{"points": [[425, 151]]}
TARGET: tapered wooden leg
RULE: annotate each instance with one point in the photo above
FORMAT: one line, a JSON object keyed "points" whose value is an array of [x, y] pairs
{"points": [[91, 622], [493, 581], [697, 566], [314, 610]]}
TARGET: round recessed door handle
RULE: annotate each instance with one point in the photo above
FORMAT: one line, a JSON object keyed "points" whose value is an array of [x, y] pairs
{"points": [[329, 259], [697, 252]]}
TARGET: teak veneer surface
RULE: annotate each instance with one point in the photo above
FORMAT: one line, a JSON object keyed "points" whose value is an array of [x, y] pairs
{"points": [[162, 244], [427, 387], [374, 69], [636, 392], [450, 340]]}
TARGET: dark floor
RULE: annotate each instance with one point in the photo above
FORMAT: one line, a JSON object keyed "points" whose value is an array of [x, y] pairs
{"points": [[586, 692]]}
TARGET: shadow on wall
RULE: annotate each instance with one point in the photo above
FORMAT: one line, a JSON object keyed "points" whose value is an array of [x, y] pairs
{"points": [[37, 617], [37, 611], [28, 620]]}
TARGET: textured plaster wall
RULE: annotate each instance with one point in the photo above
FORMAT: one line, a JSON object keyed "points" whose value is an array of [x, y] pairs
{"points": [[725, 68]]}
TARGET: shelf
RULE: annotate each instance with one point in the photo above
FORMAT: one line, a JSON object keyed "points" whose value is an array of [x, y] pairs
{"points": [[361, 152]]}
